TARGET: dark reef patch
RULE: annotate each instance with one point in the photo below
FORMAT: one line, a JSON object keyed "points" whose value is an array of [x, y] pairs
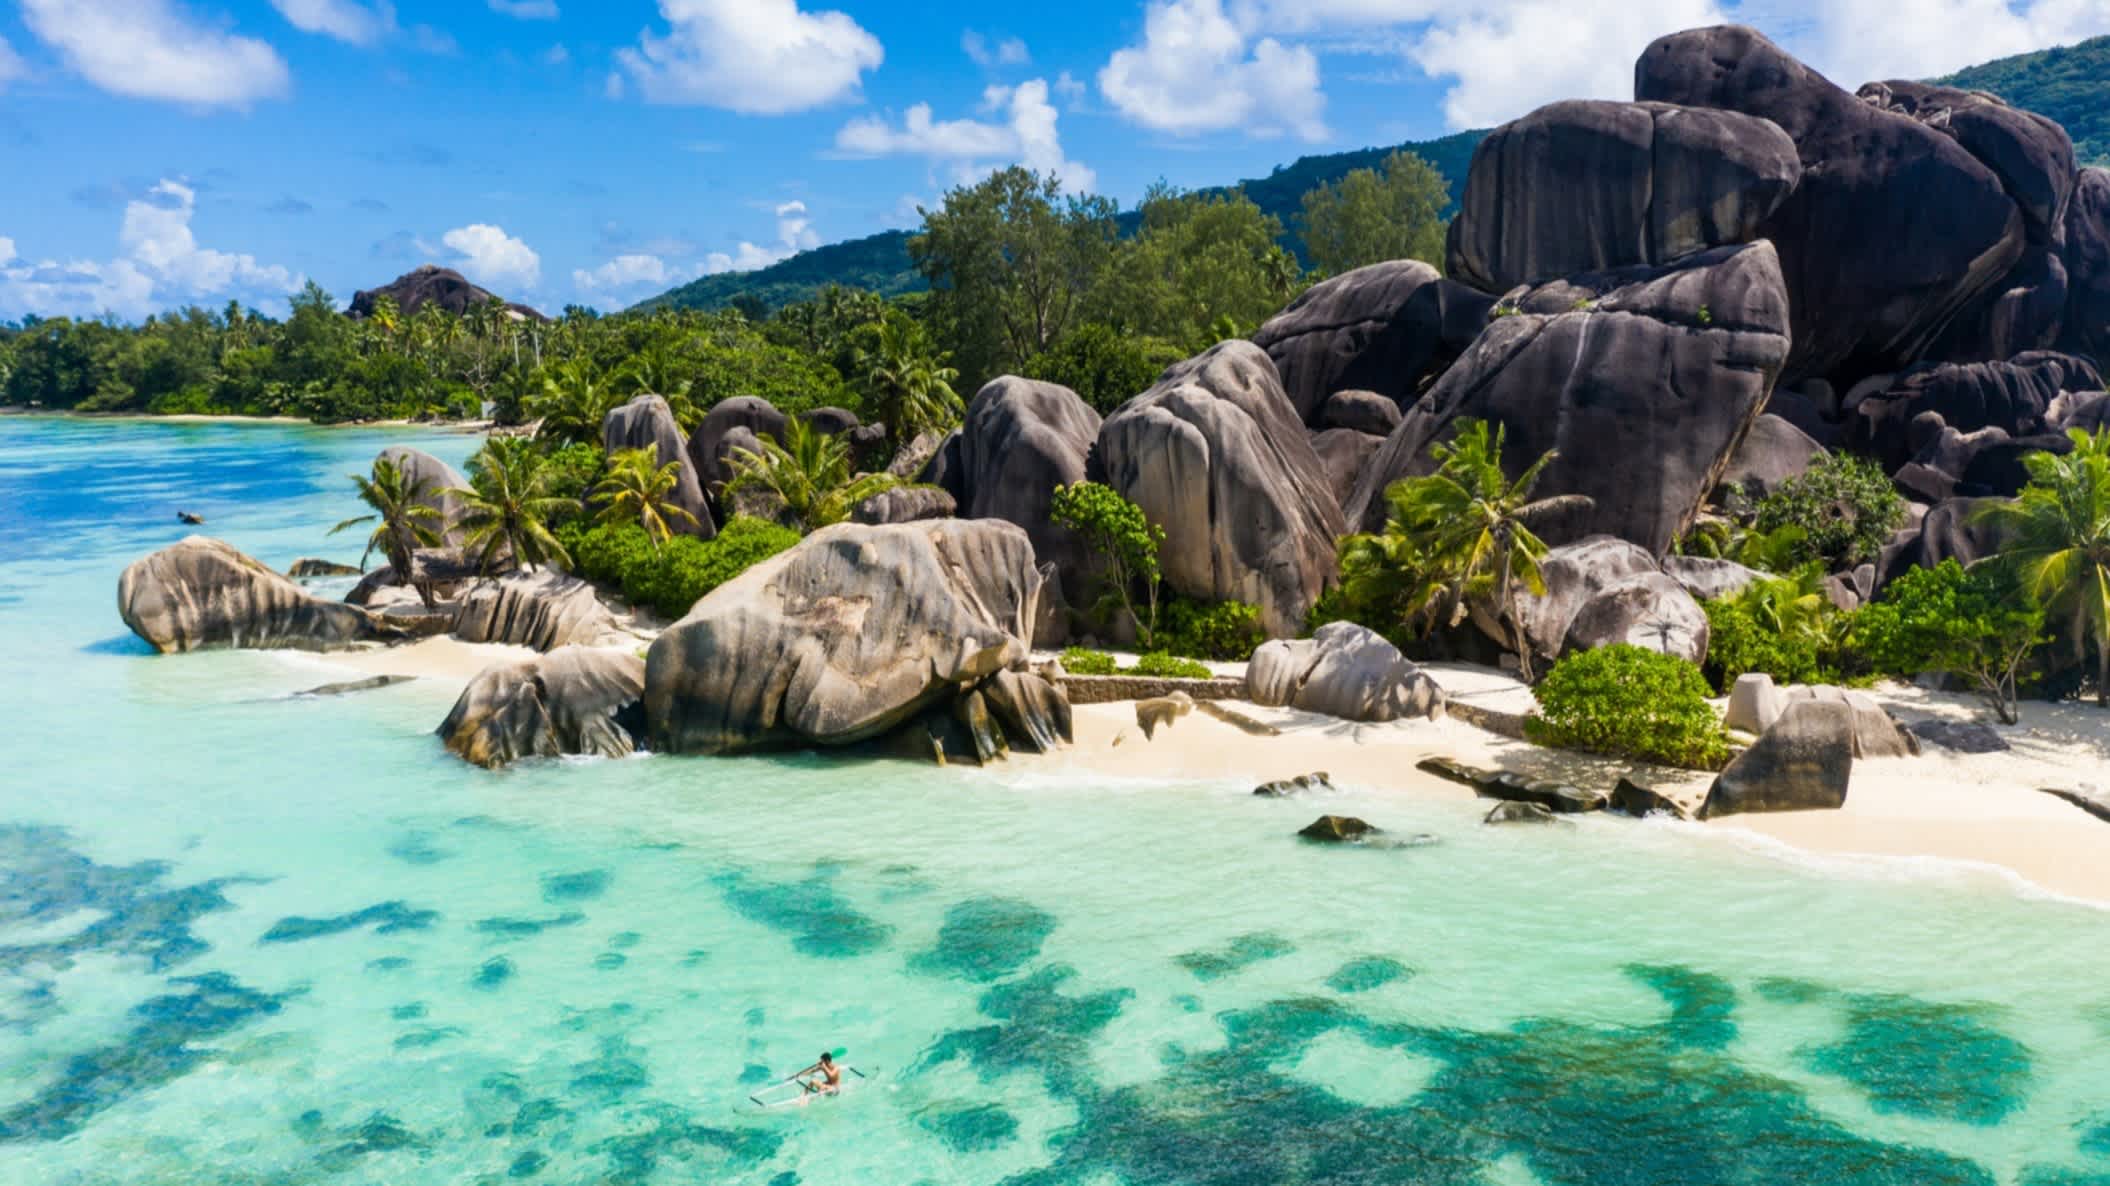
{"points": [[624, 940], [408, 1012], [609, 961], [493, 973], [820, 922], [417, 848], [986, 939], [1039, 1029], [576, 887], [1367, 974], [387, 918], [672, 1134], [378, 1133], [610, 1075], [419, 1037], [970, 1129], [1702, 1007], [525, 928], [388, 963], [528, 1164], [1241, 953], [1921, 1058], [162, 1046], [44, 880]]}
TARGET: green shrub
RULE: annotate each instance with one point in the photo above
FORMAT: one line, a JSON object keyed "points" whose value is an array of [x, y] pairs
{"points": [[672, 578], [1227, 630], [1629, 702], [1079, 661], [574, 469], [1845, 508], [1975, 623], [1739, 642], [1159, 665]]}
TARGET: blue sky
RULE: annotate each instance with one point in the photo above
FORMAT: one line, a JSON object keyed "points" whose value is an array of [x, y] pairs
{"points": [[165, 152]]}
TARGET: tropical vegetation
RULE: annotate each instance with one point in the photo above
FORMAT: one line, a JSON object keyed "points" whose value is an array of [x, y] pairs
{"points": [[405, 520], [1630, 702]]}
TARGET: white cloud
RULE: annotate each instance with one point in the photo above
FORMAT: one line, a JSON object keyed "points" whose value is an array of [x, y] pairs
{"points": [[1197, 70], [1511, 58], [1028, 136], [151, 49], [492, 258], [526, 10], [11, 64], [1857, 41], [161, 265], [556, 55], [344, 20], [795, 233], [988, 54], [625, 273], [756, 57]]}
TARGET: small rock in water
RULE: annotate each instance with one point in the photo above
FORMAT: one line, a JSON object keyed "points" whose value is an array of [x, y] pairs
{"points": [[194, 520], [1318, 780], [1631, 798], [370, 684], [1521, 813], [1339, 829]]}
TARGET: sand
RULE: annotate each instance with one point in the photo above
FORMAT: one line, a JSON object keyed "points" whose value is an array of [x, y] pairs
{"points": [[1983, 810], [444, 659]]}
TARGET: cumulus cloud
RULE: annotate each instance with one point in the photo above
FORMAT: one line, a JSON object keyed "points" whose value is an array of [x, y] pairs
{"points": [[1856, 41], [1198, 70], [795, 233], [625, 273], [1510, 58], [160, 264], [631, 276], [989, 54], [151, 49], [526, 10], [492, 258], [344, 20], [1027, 135], [756, 57]]}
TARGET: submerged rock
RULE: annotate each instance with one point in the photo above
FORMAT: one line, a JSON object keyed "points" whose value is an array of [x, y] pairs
{"points": [[574, 700], [1283, 788], [1339, 829], [1632, 798], [201, 593], [1519, 812]]}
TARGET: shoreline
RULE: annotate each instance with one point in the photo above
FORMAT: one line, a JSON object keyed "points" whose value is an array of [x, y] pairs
{"points": [[449, 426]]}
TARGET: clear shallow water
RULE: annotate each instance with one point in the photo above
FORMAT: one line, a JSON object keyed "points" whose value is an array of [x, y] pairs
{"points": [[252, 938]]}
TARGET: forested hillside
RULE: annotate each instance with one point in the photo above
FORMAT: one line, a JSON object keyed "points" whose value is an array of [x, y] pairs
{"points": [[2070, 84]]}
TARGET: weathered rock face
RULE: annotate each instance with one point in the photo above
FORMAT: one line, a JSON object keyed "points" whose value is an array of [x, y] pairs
{"points": [[1344, 453], [1871, 290], [544, 609], [1875, 733], [437, 478], [1707, 578], [1360, 411], [2087, 259], [1754, 703], [646, 422], [1021, 439], [1660, 182], [708, 447], [1771, 453], [851, 633], [1339, 829], [1949, 531], [1387, 328], [1343, 670], [906, 504], [570, 701], [1601, 591], [2031, 154], [1644, 380], [2014, 396], [200, 593], [433, 285], [1802, 763], [1216, 455]]}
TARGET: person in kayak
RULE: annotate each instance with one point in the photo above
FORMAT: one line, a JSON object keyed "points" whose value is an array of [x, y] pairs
{"points": [[825, 1077]]}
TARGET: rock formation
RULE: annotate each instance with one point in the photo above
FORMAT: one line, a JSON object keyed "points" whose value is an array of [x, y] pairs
{"points": [[543, 609], [1021, 439], [200, 594], [433, 285], [1387, 328], [1802, 763], [438, 480], [1346, 671], [573, 700], [1216, 451], [1601, 591], [646, 422]]}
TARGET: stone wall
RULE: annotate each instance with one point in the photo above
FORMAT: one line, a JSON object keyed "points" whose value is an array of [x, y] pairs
{"points": [[1108, 689]]}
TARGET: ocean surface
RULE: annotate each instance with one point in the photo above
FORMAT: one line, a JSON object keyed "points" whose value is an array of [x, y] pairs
{"points": [[252, 937]]}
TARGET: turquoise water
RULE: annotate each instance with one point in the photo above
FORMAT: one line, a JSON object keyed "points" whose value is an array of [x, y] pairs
{"points": [[247, 937]]}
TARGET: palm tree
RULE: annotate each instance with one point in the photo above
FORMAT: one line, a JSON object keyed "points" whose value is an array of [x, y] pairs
{"points": [[507, 509], [908, 381], [1471, 526], [637, 489], [404, 521], [810, 471], [573, 404], [2058, 542]]}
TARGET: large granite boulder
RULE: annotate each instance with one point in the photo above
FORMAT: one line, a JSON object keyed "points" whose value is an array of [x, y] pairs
{"points": [[1876, 734], [430, 284], [437, 480], [1344, 453], [853, 632], [543, 609], [1217, 456], [1802, 763], [1387, 328], [1895, 227], [646, 422], [1644, 380], [2014, 396], [1021, 439], [1770, 454], [2087, 259], [1657, 182], [2024, 310], [1346, 671], [1360, 411], [1708, 578], [2030, 153], [708, 447], [906, 504], [574, 700], [1603, 590], [201, 593], [1949, 531]]}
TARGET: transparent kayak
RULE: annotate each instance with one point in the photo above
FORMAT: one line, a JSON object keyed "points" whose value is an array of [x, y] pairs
{"points": [[797, 1093]]}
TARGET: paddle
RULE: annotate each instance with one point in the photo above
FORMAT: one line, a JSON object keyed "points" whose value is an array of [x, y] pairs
{"points": [[799, 1078]]}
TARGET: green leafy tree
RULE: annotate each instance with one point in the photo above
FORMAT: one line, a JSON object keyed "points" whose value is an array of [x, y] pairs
{"points": [[810, 471], [1630, 702], [906, 380], [1199, 269], [507, 508], [1126, 543], [2058, 543], [1373, 215], [573, 404], [1105, 367], [403, 521], [1845, 508], [639, 490], [1974, 623]]}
